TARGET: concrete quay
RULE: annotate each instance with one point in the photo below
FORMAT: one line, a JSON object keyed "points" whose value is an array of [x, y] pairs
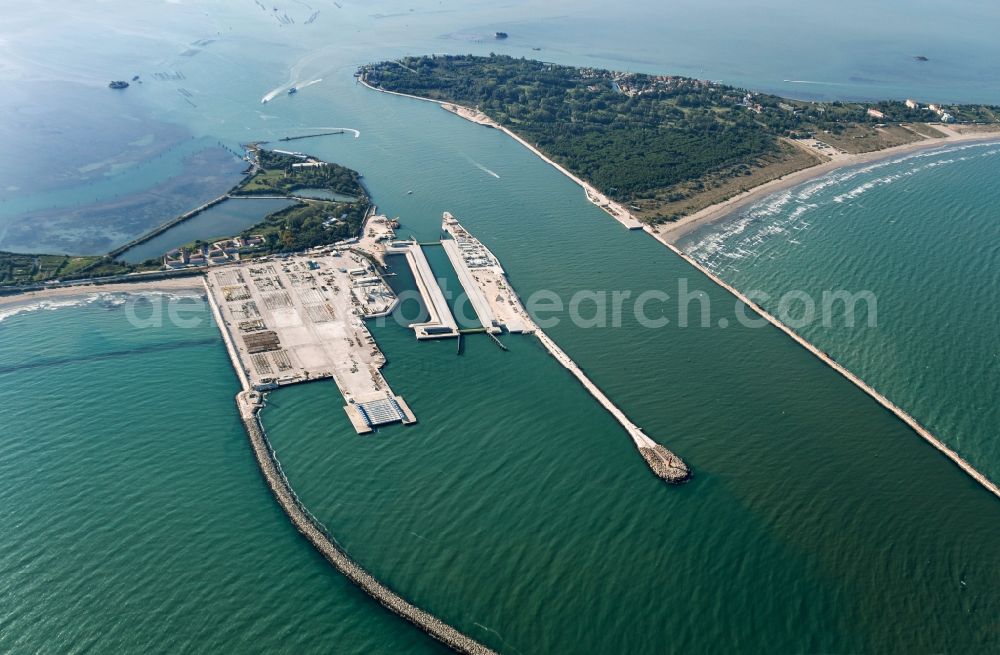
{"points": [[485, 283], [301, 318], [441, 324]]}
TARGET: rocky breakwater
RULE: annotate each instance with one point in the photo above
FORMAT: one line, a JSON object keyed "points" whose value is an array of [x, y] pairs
{"points": [[665, 464], [317, 535]]}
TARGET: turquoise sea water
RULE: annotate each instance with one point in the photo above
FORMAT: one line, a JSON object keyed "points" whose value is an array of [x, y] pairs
{"points": [[150, 530], [516, 508]]}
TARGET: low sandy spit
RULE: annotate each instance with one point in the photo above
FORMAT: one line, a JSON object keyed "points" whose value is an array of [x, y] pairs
{"points": [[191, 285]]}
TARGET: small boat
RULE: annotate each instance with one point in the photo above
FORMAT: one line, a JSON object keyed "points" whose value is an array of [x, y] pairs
{"points": [[409, 193], [292, 91], [499, 35]]}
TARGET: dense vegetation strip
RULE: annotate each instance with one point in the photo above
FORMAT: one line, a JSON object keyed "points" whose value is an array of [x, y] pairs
{"points": [[654, 141], [307, 223]]}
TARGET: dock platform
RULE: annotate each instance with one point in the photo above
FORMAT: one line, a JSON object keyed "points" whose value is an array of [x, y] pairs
{"points": [[484, 281], [441, 323]]}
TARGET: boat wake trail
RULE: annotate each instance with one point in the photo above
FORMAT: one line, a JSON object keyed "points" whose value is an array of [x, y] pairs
{"points": [[484, 169], [298, 86]]}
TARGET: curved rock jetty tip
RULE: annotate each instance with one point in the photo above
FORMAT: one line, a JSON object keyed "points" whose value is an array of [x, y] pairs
{"points": [[317, 535], [665, 464]]}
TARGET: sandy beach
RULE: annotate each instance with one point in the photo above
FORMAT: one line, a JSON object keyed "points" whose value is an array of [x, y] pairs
{"points": [[615, 210], [674, 231], [191, 284]]}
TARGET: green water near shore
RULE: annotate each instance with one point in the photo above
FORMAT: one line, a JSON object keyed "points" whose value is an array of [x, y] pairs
{"points": [[152, 530], [516, 508]]}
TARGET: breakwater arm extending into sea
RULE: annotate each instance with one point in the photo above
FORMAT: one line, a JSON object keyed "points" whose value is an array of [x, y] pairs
{"points": [[832, 363], [323, 542], [484, 280]]}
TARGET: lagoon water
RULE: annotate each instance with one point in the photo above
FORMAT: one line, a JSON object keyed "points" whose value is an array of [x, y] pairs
{"points": [[516, 508], [228, 218]]}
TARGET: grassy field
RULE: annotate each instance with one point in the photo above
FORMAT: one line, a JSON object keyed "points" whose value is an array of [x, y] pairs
{"points": [[281, 175], [926, 130], [863, 138], [265, 181]]}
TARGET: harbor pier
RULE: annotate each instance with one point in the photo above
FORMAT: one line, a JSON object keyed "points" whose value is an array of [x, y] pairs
{"points": [[249, 402], [482, 277], [441, 323], [301, 318]]}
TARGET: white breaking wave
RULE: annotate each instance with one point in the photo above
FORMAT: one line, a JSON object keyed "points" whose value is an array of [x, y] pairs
{"points": [[780, 216], [108, 299], [274, 93]]}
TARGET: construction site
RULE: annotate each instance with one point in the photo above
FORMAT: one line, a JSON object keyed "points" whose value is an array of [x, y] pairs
{"points": [[301, 318]]}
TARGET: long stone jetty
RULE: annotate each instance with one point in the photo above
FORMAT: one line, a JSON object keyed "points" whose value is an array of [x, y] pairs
{"points": [[310, 528], [903, 415], [160, 229], [624, 217], [663, 463]]}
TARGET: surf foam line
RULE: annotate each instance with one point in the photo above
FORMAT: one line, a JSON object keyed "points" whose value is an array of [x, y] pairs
{"points": [[900, 413], [772, 207], [109, 299]]}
